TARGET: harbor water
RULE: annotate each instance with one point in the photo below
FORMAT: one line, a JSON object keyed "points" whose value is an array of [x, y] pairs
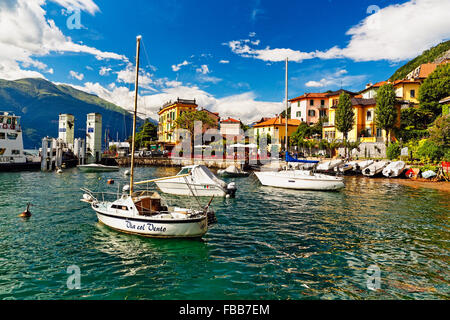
{"points": [[375, 239]]}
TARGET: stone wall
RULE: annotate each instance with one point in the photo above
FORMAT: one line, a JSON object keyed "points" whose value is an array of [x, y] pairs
{"points": [[367, 150]]}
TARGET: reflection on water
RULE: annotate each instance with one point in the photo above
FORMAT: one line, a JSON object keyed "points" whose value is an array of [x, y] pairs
{"points": [[269, 244]]}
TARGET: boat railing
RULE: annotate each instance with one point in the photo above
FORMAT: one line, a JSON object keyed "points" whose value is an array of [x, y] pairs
{"points": [[102, 196]]}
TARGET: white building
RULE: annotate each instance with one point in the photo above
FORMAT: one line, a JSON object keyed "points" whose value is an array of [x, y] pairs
{"points": [[94, 138], [230, 127], [66, 129]]}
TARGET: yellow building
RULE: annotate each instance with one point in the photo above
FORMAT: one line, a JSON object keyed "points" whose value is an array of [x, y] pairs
{"points": [[276, 129], [167, 116], [407, 90], [364, 129]]}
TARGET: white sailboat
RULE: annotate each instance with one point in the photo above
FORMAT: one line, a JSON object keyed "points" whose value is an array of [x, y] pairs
{"points": [[143, 213], [298, 179]]}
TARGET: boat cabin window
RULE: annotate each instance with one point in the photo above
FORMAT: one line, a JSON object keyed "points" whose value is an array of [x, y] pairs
{"points": [[2, 136], [15, 152], [114, 206], [185, 171], [12, 136]]}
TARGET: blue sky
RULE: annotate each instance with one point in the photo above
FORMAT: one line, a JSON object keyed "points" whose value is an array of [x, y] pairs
{"points": [[226, 54]]}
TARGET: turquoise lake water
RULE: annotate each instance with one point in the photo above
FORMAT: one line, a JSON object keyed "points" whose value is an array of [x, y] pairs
{"points": [[269, 243]]}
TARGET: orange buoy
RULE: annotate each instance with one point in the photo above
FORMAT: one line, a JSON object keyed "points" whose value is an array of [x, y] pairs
{"points": [[26, 213], [110, 181]]}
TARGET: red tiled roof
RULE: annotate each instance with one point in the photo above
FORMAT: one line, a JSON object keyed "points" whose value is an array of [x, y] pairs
{"points": [[310, 96], [231, 120], [278, 121], [427, 69]]}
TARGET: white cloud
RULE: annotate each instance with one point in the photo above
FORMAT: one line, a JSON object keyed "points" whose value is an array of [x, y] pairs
{"points": [[224, 61], [336, 79], [203, 69], [252, 34], [76, 75], [128, 76], [395, 33], [177, 67], [104, 71], [26, 33]]}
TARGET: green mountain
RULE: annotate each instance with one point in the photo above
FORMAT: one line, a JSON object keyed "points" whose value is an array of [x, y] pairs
{"points": [[427, 56], [39, 103]]}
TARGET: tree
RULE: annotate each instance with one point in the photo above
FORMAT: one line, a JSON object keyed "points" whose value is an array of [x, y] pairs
{"points": [[187, 120], [385, 112], [147, 133], [435, 88], [345, 116]]}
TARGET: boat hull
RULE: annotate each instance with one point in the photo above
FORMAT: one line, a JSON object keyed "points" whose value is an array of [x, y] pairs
{"points": [[182, 189], [195, 228], [298, 182]]}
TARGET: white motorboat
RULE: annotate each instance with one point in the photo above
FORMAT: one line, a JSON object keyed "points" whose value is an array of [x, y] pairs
{"points": [[346, 167], [142, 213], [94, 167], [394, 169], [375, 168], [360, 166], [300, 180], [233, 172], [329, 165], [196, 180]]}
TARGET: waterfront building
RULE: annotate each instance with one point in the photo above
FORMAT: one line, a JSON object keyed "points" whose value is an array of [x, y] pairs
{"points": [[364, 129], [422, 72], [371, 90], [310, 107], [168, 114], [66, 129], [275, 131], [407, 90], [94, 138], [230, 127]]}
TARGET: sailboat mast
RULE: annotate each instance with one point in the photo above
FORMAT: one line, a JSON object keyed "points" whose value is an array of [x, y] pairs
{"points": [[287, 106], [136, 87]]}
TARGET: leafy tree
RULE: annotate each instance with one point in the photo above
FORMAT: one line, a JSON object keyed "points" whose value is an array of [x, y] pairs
{"points": [[147, 133], [345, 116], [435, 88], [187, 120], [385, 111], [393, 151], [440, 132]]}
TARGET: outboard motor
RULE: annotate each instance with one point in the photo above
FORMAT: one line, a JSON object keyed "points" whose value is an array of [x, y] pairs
{"points": [[231, 189]]}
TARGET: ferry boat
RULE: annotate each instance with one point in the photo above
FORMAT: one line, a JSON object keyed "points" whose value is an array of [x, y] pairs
{"points": [[12, 155]]}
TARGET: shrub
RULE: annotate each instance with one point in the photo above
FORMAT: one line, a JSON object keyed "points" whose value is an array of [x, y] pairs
{"points": [[393, 151], [429, 151]]}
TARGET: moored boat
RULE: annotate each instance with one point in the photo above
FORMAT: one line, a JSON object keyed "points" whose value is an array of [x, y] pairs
{"points": [[327, 166], [394, 169], [233, 172], [360, 166], [375, 169], [346, 167]]}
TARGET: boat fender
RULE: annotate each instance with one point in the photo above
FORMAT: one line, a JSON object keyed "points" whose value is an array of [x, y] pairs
{"points": [[88, 197], [126, 188], [231, 189], [5, 126]]}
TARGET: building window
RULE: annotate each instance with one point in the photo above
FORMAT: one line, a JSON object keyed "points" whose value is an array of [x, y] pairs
{"points": [[299, 114], [322, 103], [311, 113], [311, 102], [298, 104], [412, 93], [369, 115], [379, 133], [323, 113]]}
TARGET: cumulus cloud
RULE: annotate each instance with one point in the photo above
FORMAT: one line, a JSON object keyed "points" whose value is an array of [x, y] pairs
{"points": [[177, 67], [224, 61], [76, 75], [395, 33], [26, 33], [104, 71], [336, 79], [203, 69]]}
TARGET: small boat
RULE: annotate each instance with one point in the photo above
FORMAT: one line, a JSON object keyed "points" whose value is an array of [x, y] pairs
{"points": [[394, 169], [94, 167], [428, 174], [196, 180], [329, 165], [375, 168], [360, 166], [233, 172], [346, 167]]}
